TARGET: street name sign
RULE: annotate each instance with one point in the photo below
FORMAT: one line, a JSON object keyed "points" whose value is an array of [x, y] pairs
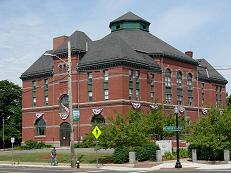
{"points": [[172, 128]]}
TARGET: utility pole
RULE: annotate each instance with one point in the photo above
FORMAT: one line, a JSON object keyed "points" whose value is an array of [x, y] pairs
{"points": [[69, 67], [73, 158]]}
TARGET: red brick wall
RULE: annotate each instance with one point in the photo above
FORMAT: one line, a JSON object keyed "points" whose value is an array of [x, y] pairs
{"points": [[118, 96]]}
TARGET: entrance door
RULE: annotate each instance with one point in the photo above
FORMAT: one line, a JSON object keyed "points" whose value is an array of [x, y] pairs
{"points": [[65, 131]]}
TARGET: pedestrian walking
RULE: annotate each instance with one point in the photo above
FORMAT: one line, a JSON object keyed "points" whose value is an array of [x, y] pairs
{"points": [[53, 157]]}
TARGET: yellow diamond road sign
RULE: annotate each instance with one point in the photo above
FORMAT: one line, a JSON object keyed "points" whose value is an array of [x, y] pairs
{"points": [[96, 132]]}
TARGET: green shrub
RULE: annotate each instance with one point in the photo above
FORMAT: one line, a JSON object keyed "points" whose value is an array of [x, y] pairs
{"points": [[183, 153], [206, 153], [168, 156], [120, 154], [143, 153], [146, 152], [30, 144]]}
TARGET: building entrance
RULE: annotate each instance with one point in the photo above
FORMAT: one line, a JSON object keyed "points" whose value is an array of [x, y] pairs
{"points": [[65, 131]]}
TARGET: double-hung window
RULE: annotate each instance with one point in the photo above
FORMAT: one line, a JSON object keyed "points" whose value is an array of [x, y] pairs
{"points": [[33, 93], [179, 88], [46, 92], [90, 95], [168, 86], [106, 92]]}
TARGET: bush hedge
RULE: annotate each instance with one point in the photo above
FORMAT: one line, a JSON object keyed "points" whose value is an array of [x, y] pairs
{"points": [[30, 144], [206, 153], [146, 152], [120, 154], [143, 153]]}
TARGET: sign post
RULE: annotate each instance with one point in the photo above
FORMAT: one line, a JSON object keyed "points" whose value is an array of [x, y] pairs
{"points": [[12, 143], [96, 132]]}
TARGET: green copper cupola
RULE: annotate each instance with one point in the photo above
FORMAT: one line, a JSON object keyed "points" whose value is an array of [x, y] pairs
{"points": [[129, 21]]}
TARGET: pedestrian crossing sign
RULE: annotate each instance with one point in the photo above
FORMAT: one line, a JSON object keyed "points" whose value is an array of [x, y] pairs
{"points": [[96, 132]]}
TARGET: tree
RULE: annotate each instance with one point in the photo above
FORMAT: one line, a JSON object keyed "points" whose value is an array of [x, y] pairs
{"points": [[125, 130], [134, 128], [212, 134], [229, 101], [10, 106]]}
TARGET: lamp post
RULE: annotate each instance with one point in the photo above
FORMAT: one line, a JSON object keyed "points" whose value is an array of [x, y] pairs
{"points": [[178, 164], [3, 131], [73, 158]]}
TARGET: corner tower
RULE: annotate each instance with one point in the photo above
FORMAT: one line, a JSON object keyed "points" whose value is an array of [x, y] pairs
{"points": [[129, 21]]}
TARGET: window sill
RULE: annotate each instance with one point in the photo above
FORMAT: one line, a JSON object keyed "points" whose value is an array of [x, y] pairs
{"points": [[40, 136]]}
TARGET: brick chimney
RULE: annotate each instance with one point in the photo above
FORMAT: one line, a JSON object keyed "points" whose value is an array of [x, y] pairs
{"points": [[58, 41], [189, 53]]}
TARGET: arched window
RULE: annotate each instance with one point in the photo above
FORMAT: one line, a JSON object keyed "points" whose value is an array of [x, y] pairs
{"points": [[98, 119], [168, 86], [190, 89], [40, 127], [64, 103]]}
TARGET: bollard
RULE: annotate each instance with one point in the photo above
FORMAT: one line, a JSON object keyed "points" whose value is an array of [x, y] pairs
{"points": [[226, 155], [194, 155], [158, 156], [132, 157], [77, 164]]}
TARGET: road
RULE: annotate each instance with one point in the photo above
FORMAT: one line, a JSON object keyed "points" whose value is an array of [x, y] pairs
{"points": [[5, 169]]}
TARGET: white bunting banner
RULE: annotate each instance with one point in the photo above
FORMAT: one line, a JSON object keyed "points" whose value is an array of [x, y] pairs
{"points": [[97, 111], [181, 109], [63, 116], [204, 111], [136, 105], [154, 106], [39, 114]]}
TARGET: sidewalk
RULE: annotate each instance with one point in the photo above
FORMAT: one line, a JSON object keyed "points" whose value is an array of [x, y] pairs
{"points": [[141, 166]]}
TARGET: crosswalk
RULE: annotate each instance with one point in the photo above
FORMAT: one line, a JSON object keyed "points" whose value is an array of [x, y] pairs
{"points": [[98, 171]]}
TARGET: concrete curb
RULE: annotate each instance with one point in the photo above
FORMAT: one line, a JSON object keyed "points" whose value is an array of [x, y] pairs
{"points": [[122, 167]]}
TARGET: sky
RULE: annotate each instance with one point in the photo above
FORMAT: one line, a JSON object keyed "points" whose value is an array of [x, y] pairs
{"points": [[28, 27]]}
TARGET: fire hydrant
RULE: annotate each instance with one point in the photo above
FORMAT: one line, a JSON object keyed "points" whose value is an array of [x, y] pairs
{"points": [[77, 164]]}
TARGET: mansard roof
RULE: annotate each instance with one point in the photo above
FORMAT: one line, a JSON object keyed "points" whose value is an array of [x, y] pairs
{"points": [[146, 42], [79, 41], [129, 47], [113, 50], [42, 67], [208, 73]]}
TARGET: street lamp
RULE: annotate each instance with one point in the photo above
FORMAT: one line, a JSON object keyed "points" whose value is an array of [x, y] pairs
{"points": [[68, 64], [178, 164], [3, 131]]}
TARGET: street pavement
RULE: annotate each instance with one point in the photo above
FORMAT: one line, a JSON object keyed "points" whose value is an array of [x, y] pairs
{"points": [[55, 170], [166, 166]]}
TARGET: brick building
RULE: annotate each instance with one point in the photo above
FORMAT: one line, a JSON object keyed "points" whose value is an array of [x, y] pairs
{"points": [[128, 69]]}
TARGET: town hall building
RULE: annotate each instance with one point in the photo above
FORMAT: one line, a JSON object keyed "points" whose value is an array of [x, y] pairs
{"points": [[127, 69]]}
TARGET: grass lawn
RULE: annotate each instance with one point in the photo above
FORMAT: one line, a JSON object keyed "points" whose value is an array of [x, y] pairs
{"points": [[62, 157]]}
